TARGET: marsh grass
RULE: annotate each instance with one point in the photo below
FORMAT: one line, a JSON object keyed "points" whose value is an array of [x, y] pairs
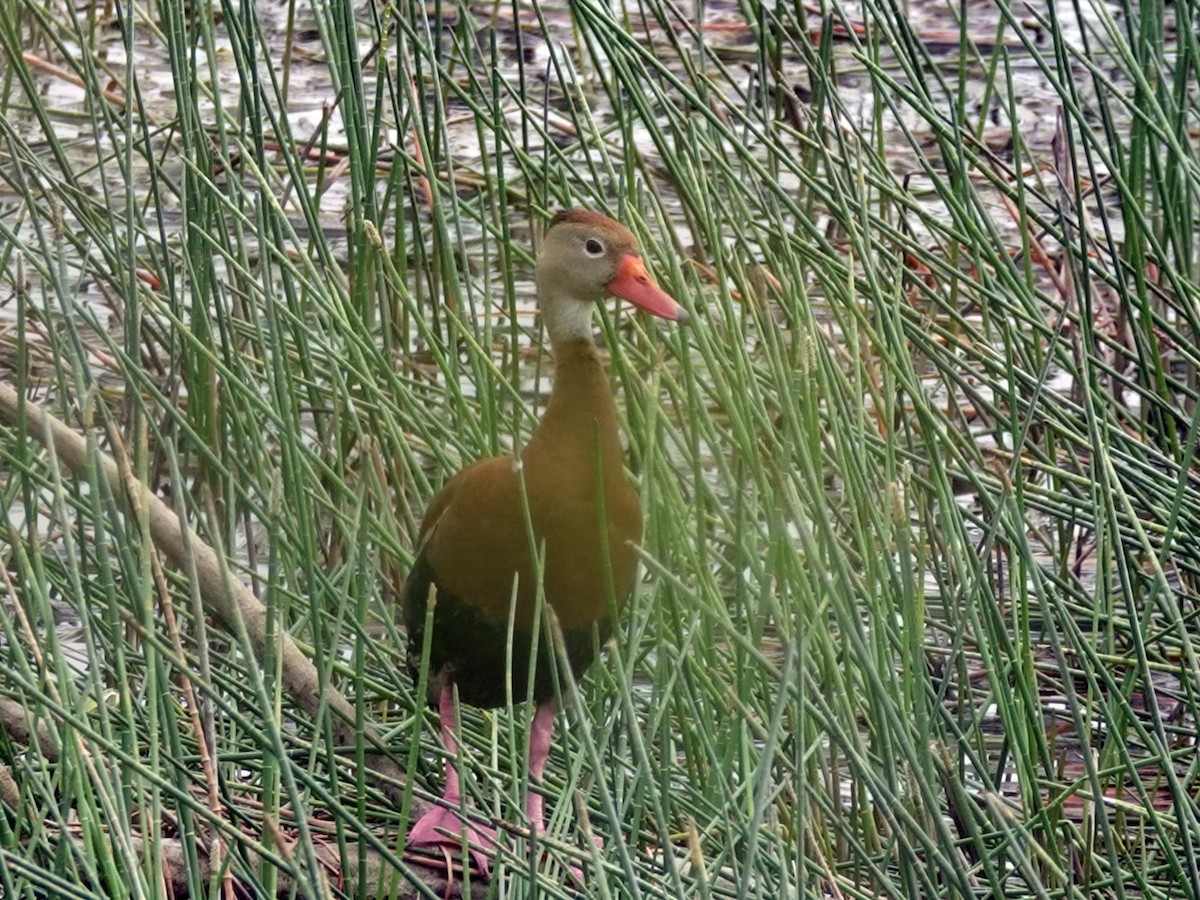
{"points": [[921, 559]]}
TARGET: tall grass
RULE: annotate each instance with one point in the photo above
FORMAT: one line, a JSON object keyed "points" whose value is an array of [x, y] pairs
{"points": [[921, 559]]}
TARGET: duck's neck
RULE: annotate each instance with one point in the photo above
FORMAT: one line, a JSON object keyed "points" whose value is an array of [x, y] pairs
{"points": [[567, 320], [581, 416]]}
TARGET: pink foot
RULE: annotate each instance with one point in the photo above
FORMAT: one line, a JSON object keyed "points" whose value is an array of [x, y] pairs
{"points": [[444, 828]]}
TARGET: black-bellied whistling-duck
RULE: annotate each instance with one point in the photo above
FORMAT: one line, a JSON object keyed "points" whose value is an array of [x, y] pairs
{"points": [[474, 545]]}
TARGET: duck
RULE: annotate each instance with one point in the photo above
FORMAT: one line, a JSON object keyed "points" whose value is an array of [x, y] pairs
{"points": [[502, 523]]}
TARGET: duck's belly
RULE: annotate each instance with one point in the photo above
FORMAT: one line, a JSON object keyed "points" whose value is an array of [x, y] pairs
{"points": [[474, 650]]}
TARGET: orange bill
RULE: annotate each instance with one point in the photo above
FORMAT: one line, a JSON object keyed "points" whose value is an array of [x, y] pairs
{"points": [[634, 284]]}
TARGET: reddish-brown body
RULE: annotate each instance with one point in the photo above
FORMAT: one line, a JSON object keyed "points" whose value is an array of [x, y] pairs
{"points": [[476, 546], [477, 538]]}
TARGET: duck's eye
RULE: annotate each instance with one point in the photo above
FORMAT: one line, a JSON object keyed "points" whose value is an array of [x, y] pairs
{"points": [[593, 247]]}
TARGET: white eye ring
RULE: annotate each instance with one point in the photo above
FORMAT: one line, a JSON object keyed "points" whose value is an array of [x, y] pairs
{"points": [[593, 247]]}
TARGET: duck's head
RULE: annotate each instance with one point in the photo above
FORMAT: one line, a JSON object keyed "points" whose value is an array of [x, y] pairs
{"points": [[586, 257]]}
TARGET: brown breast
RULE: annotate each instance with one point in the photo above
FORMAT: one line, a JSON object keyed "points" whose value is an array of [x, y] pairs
{"points": [[478, 535]]}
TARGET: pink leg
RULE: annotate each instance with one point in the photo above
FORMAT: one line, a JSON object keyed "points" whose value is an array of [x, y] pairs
{"points": [[443, 826], [540, 733]]}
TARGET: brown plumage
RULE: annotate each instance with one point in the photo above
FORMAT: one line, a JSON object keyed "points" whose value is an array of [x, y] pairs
{"points": [[474, 540]]}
